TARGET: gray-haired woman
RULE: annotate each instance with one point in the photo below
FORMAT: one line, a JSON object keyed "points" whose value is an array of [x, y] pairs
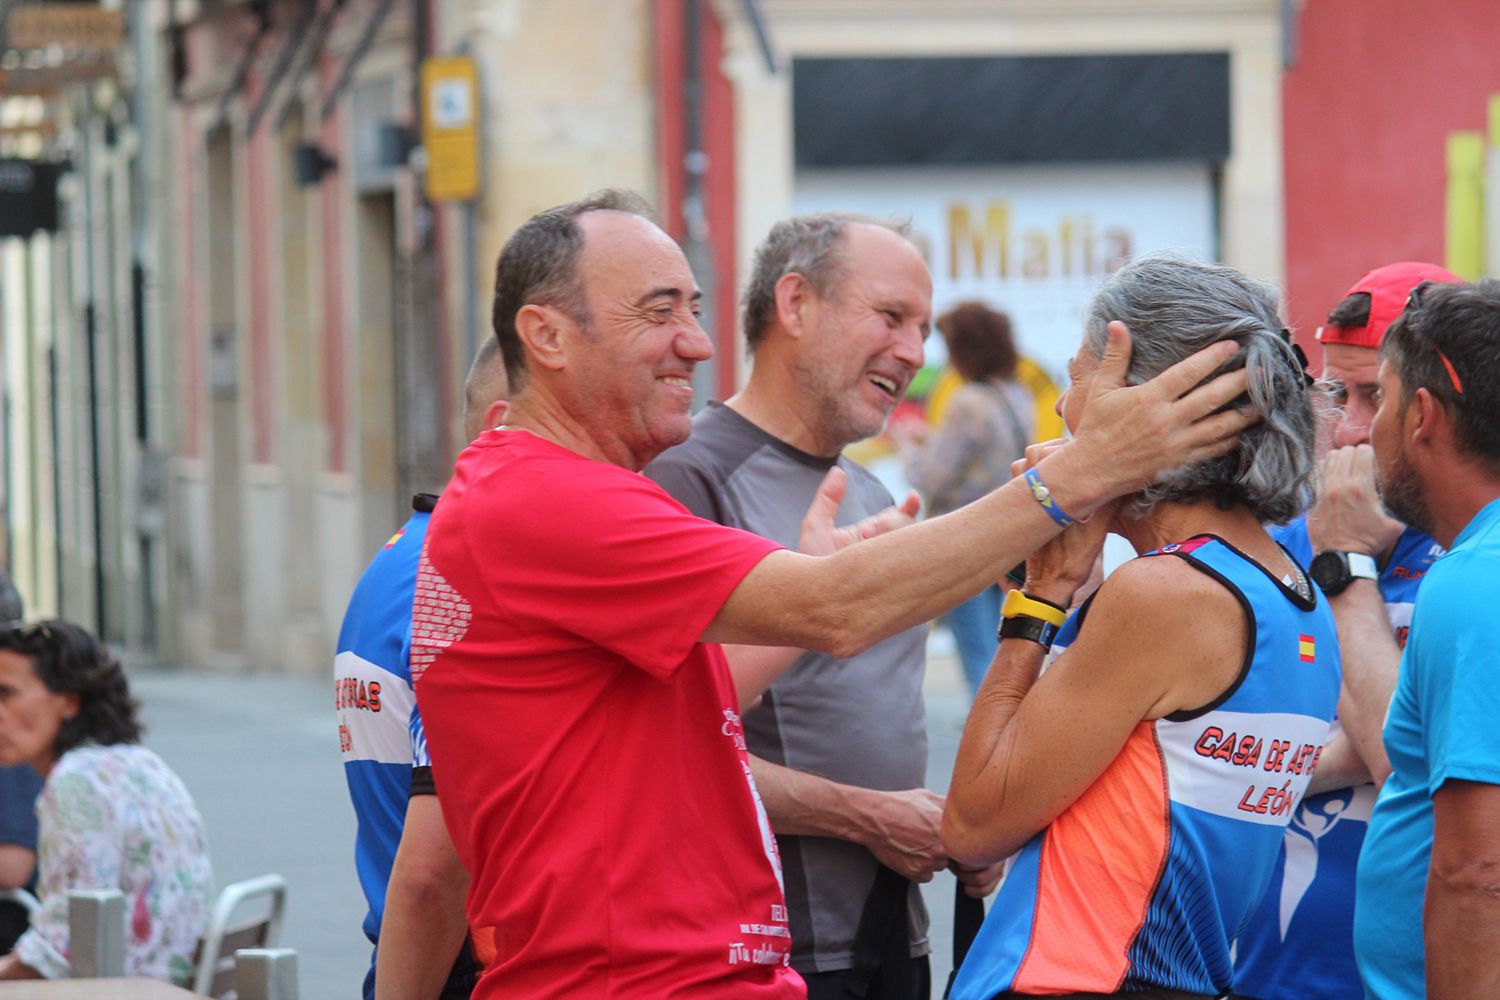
{"points": [[1144, 780]]}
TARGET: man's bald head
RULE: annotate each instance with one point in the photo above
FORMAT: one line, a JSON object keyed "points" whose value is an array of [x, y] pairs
{"points": [[486, 390]]}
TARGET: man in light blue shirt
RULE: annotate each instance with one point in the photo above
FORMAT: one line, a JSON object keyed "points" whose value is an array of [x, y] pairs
{"points": [[1427, 910], [1300, 944]]}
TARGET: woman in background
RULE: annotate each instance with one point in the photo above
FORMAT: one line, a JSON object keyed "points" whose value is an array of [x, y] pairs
{"points": [[988, 423], [111, 814]]}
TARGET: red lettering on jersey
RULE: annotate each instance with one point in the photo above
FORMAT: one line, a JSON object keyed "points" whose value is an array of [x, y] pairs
{"points": [[1273, 801], [1248, 755], [1208, 740], [1282, 746]]}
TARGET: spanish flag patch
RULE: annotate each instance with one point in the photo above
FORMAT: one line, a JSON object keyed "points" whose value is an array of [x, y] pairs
{"points": [[1305, 648], [397, 537]]}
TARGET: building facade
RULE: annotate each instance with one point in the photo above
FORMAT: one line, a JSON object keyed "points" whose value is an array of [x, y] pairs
{"points": [[241, 346], [80, 421], [325, 308]]}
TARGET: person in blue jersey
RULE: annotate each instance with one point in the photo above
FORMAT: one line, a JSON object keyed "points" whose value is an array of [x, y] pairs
{"points": [[1426, 911], [1300, 943], [390, 785], [1143, 781]]}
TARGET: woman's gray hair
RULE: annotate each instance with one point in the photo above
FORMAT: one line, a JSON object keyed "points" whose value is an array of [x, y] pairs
{"points": [[1175, 307]]}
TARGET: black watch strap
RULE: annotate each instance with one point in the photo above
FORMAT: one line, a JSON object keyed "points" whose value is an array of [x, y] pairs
{"points": [[1029, 627], [1334, 570]]}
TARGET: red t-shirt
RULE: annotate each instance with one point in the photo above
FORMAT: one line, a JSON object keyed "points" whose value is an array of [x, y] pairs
{"points": [[585, 744]]}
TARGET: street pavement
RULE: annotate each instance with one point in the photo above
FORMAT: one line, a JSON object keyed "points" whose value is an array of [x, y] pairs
{"points": [[259, 753]]}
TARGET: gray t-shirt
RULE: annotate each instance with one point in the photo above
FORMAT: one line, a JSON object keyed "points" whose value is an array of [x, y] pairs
{"points": [[859, 721]]}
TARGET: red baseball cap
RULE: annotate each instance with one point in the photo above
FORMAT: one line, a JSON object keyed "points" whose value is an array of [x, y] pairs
{"points": [[1388, 288]]}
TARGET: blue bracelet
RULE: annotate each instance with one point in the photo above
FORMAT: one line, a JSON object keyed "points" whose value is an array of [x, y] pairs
{"points": [[1043, 496]]}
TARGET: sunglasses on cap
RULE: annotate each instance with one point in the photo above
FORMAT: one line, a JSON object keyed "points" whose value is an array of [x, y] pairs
{"points": [[1414, 306]]}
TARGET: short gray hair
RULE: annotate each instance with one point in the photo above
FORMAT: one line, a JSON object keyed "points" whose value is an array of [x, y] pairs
{"points": [[1175, 307], [809, 245]]}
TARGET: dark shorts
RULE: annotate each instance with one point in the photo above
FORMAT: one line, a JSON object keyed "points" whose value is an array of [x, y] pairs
{"points": [[830, 985]]}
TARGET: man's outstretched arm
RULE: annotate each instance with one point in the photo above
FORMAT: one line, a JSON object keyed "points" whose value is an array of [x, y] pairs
{"points": [[845, 602], [755, 668]]}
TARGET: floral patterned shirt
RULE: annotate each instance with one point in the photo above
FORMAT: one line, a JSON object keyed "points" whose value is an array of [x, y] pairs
{"points": [[116, 817]]}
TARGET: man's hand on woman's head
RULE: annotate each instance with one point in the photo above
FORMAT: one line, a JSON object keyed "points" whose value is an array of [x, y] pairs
{"points": [[1127, 435]]}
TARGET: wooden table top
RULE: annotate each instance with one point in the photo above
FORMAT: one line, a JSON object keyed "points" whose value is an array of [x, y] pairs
{"points": [[95, 989]]}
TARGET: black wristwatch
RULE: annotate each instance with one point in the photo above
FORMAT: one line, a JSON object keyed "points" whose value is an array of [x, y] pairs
{"points": [[1026, 627], [1334, 570], [1025, 617]]}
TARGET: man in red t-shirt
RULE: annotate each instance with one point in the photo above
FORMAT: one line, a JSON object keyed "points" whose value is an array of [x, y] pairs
{"points": [[583, 727]]}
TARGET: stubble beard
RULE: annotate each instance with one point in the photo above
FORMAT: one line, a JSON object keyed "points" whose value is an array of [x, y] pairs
{"points": [[843, 424], [837, 409], [1401, 492]]}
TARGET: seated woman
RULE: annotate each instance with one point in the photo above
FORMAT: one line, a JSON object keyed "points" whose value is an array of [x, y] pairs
{"points": [[111, 814], [1146, 777]]}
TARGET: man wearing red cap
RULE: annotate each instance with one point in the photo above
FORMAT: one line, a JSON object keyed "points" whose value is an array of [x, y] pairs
{"points": [[1299, 945]]}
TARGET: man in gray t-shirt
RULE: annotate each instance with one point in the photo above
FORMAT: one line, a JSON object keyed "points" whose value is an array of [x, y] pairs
{"points": [[835, 315]]}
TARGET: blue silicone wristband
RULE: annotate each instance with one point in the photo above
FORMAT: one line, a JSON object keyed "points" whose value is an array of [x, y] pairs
{"points": [[1043, 496]]}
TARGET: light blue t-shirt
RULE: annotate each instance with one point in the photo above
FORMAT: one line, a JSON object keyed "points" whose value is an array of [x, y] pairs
{"points": [[1299, 945], [1441, 725]]}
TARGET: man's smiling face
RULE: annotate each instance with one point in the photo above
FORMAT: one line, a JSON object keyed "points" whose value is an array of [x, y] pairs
{"points": [[633, 371], [864, 338]]}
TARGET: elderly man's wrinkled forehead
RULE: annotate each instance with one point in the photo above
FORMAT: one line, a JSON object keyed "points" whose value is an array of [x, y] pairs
{"points": [[627, 261]]}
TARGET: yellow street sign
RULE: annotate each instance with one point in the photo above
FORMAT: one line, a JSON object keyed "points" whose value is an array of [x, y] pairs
{"points": [[450, 127], [81, 25]]}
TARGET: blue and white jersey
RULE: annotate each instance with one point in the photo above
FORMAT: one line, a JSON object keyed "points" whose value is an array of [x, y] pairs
{"points": [[1144, 881], [375, 702], [1299, 945]]}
